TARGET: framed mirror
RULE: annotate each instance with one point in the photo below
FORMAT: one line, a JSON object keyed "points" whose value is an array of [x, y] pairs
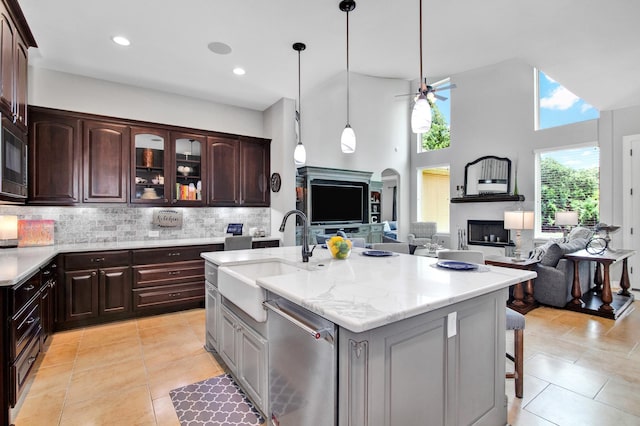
{"points": [[487, 175]]}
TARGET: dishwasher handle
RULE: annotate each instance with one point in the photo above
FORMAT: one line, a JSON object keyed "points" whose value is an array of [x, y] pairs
{"points": [[323, 333]]}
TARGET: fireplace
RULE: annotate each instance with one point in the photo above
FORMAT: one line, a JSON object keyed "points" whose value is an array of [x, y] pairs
{"points": [[488, 233]]}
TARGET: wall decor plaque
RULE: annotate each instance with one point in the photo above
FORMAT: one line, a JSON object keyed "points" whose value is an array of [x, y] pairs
{"points": [[166, 218]]}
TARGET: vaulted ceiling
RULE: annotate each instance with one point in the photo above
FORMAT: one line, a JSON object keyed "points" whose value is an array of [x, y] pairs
{"points": [[590, 46]]}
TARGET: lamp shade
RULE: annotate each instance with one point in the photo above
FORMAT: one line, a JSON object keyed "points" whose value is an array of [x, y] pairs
{"points": [[566, 218], [300, 155], [348, 140], [518, 219], [421, 115]]}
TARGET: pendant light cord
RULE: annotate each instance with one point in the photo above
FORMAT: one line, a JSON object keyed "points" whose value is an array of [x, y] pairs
{"points": [[299, 104], [348, 78], [421, 47]]}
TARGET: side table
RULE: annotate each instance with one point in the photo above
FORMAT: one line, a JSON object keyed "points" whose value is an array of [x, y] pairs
{"points": [[523, 300], [600, 301]]}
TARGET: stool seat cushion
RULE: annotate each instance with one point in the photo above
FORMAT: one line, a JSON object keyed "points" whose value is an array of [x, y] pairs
{"points": [[515, 320]]}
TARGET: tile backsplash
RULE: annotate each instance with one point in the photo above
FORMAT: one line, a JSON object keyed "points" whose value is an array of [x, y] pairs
{"points": [[123, 223]]}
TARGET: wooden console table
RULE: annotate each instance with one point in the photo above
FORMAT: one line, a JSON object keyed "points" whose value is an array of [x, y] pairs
{"points": [[523, 300], [600, 301]]}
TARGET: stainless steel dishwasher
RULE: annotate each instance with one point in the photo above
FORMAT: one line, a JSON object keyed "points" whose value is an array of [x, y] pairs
{"points": [[303, 366]]}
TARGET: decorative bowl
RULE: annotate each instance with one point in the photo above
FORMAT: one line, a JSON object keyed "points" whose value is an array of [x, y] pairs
{"points": [[340, 248]]}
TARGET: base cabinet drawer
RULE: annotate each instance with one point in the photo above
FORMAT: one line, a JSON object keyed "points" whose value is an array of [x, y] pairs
{"points": [[20, 369], [156, 297], [168, 273], [24, 327]]}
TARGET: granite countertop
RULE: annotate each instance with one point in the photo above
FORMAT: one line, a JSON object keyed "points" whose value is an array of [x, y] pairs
{"points": [[362, 293], [16, 264]]}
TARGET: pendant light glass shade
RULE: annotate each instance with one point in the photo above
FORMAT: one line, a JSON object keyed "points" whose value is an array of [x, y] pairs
{"points": [[348, 140], [421, 115], [300, 155]]}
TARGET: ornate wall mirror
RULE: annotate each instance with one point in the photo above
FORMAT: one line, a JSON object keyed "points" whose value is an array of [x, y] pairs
{"points": [[487, 175]]}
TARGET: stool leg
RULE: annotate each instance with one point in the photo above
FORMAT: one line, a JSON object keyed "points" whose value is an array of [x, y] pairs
{"points": [[519, 355]]}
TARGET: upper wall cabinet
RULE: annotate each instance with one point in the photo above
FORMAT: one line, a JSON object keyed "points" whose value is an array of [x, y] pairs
{"points": [[149, 184], [239, 169], [54, 158], [188, 169], [15, 39], [105, 162]]}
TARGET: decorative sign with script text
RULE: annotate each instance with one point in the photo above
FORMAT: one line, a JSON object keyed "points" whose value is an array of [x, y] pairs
{"points": [[167, 218]]}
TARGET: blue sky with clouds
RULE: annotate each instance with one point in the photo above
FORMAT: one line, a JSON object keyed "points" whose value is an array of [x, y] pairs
{"points": [[558, 106]]}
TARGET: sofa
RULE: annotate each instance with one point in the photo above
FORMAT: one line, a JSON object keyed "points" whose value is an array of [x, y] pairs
{"points": [[390, 231], [554, 283]]}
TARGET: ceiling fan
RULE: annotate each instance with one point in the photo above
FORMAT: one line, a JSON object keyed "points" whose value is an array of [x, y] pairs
{"points": [[429, 90]]}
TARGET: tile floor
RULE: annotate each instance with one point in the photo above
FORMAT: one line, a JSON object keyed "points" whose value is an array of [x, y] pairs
{"points": [[579, 370]]}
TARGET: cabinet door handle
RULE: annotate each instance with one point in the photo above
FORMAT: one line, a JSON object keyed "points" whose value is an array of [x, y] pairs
{"points": [[174, 272], [103, 273], [31, 320], [93, 274], [29, 287]]}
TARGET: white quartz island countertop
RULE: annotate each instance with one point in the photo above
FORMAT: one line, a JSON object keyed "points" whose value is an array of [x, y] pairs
{"points": [[362, 292]]}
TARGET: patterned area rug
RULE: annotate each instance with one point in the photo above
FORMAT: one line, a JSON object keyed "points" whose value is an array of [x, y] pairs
{"points": [[215, 401]]}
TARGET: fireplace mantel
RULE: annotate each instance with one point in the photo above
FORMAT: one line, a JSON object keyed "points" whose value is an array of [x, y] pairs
{"points": [[484, 198]]}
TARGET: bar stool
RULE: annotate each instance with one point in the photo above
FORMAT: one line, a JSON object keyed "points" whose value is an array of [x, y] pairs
{"points": [[515, 322]]}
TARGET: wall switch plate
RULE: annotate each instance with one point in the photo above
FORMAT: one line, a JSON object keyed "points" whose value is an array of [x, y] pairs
{"points": [[154, 234]]}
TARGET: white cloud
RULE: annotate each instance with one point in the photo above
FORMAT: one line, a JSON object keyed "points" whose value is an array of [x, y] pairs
{"points": [[585, 107], [560, 99]]}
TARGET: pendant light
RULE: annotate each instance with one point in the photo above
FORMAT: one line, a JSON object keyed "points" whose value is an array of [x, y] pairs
{"points": [[348, 138], [299, 154], [421, 114]]}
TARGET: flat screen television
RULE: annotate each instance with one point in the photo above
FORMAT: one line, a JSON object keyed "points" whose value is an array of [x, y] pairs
{"points": [[337, 202]]}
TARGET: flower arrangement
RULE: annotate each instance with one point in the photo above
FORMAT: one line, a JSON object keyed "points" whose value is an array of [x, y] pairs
{"points": [[339, 247]]}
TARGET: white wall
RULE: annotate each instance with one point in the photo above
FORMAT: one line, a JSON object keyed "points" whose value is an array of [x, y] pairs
{"points": [[70, 92]]}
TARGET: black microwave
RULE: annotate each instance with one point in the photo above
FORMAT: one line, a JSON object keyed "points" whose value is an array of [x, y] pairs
{"points": [[13, 162]]}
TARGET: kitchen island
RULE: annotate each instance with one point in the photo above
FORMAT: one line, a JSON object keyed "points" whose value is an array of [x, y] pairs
{"points": [[415, 343]]}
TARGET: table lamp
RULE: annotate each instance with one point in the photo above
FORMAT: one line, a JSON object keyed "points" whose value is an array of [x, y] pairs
{"points": [[8, 231], [565, 220], [518, 220]]}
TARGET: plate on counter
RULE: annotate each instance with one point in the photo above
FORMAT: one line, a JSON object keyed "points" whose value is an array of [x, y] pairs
{"points": [[455, 264], [377, 253]]}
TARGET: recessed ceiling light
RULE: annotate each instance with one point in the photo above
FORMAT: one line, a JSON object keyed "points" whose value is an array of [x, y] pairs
{"points": [[122, 41], [219, 48], [239, 71]]}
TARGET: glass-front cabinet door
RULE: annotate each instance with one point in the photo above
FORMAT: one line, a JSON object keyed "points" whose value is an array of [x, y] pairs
{"points": [[188, 168], [149, 182]]}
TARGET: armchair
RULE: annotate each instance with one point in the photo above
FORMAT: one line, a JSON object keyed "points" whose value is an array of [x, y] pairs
{"points": [[421, 233]]}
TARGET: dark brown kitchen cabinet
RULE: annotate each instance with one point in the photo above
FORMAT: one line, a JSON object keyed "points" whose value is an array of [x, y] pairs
{"points": [[15, 39], [188, 169], [105, 162], [54, 158], [149, 181], [97, 287], [239, 168]]}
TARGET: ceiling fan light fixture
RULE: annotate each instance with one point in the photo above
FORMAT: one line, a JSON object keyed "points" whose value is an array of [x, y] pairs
{"points": [[348, 138], [421, 116]]}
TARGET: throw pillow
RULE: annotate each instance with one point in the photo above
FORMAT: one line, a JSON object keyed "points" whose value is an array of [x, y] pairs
{"points": [[552, 255], [394, 225], [386, 226], [538, 252], [580, 232]]}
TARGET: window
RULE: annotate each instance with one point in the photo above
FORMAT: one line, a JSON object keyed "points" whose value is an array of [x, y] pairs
{"points": [[433, 203], [557, 106], [567, 179], [439, 136]]}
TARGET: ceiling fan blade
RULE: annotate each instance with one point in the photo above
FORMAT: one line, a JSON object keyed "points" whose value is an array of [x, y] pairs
{"points": [[437, 83], [406, 94], [442, 98], [450, 86]]}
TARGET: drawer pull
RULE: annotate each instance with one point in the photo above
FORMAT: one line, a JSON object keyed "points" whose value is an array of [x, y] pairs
{"points": [[174, 272], [29, 287], [174, 254], [98, 259], [174, 294], [31, 320], [32, 359]]}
